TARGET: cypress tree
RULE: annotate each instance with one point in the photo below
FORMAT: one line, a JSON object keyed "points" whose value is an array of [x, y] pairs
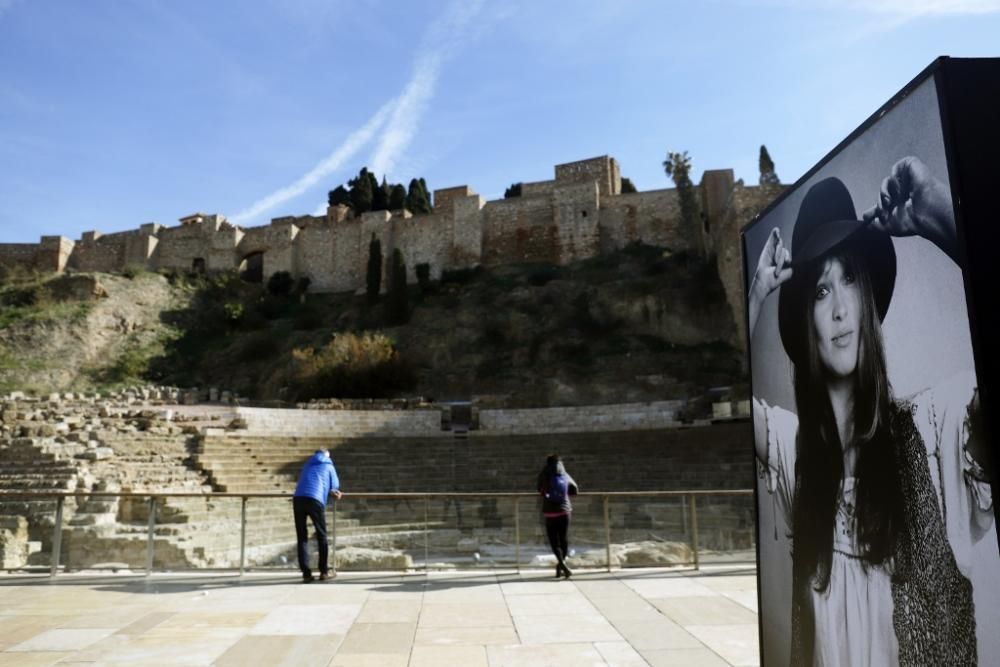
{"points": [[373, 277], [397, 197], [416, 197], [766, 165], [380, 198], [399, 301]]}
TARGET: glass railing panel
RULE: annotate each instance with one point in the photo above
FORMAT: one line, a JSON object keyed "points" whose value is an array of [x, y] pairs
{"points": [[648, 530], [726, 530], [380, 534], [270, 534], [467, 532]]}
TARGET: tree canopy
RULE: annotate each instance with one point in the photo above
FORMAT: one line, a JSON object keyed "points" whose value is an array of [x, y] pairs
{"points": [[766, 164]]}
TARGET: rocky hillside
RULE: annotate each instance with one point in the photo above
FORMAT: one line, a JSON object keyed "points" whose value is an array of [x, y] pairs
{"points": [[642, 324], [80, 332]]}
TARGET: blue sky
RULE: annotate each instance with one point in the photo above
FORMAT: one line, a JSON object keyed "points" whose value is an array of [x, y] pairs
{"points": [[118, 112]]}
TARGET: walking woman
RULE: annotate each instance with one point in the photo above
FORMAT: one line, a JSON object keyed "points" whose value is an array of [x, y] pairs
{"points": [[884, 497], [556, 486]]}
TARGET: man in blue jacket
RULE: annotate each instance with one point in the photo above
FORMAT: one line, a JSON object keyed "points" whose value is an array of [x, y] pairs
{"points": [[317, 481]]}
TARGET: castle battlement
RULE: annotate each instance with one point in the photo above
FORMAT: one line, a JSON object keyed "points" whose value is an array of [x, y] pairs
{"points": [[578, 214]]}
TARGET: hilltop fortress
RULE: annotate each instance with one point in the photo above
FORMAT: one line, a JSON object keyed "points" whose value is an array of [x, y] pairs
{"points": [[581, 213]]}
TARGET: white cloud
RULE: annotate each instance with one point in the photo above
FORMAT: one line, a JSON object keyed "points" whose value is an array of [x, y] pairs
{"points": [[900, 9], [922, 7], [351, 145]]}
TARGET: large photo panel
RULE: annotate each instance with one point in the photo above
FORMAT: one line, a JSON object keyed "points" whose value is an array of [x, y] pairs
{"points": [[865, 412]]}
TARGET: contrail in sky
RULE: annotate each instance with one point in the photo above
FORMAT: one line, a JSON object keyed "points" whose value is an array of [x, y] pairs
{"points": [[438, 43], [404, 112], [334, 161]]}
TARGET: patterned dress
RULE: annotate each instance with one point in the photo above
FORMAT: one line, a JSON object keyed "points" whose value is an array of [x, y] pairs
{"points": [[949, 505]]}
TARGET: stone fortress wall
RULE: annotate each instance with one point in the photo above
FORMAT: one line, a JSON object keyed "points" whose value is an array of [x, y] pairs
{"points": [[581, 213]]}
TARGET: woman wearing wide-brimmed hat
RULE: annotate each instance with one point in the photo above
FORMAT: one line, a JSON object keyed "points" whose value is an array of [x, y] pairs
{"points": [[879, 570]]}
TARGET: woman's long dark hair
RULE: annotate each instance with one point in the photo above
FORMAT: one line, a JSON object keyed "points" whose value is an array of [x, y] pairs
{"points": [[820, 455]]}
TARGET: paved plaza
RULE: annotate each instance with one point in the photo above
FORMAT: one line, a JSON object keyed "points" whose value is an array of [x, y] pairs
{"points": [[473, 619]]}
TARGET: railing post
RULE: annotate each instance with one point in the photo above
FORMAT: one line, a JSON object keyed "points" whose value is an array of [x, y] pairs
{"points": [[150, 544], [607, 535], [333, 541], [57, 538], [694, 530], [427, 530], [243, 534], [517, 534]]}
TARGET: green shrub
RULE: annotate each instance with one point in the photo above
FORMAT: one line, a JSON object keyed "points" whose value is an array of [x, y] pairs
{"points": [[574, 353], [543, 275], [258, 346], [273, 307], [308, 316], [461, 276], [424, 276], [234, 312], [131, 271], [280, 283], [351, 366], [490, 367]]}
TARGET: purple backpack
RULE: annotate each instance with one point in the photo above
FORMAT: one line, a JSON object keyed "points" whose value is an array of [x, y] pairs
{"points": [[558, 489]]}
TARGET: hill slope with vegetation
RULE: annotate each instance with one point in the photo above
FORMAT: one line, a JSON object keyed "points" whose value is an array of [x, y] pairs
{"points": [[640, 324]]}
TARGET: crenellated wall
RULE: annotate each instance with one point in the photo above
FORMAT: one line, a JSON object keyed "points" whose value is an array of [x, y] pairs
{"points": [[579, 214], [18, 255]]}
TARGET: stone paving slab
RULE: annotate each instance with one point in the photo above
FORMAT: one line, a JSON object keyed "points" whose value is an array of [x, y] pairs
{"points": [[483, 618]]}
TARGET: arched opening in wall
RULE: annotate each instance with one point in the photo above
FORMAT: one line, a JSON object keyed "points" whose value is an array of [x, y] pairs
{"points": [[198, 265], [252, 268]]}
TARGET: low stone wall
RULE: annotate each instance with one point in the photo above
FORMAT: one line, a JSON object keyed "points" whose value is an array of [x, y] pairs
{"points": [[340, 423], [620, 417]]}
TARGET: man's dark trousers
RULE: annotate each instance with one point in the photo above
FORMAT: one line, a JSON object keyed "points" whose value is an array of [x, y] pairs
{"points": [[315, 510]]}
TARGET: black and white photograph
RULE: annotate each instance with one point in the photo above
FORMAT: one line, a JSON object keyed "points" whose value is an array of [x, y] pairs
{"points": [[876, 532]]}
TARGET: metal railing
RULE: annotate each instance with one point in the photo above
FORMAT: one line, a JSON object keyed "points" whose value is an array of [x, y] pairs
{"points": [[689, 510]]}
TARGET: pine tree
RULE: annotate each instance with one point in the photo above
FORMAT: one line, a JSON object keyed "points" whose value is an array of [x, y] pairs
{"points": [[362, 192], [339, 195], [513, 191], [373, 277], [397, 197], [416, 197]]}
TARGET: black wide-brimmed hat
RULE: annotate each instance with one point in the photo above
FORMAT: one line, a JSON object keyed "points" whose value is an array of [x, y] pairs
{"points": [[828, 223]]}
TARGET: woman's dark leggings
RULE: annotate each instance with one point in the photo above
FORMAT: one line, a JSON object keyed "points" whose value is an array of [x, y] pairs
{"points": [[557, 527]]}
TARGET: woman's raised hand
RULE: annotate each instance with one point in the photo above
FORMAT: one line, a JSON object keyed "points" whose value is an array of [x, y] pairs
{"points": [[912, 202], [774, 267]]}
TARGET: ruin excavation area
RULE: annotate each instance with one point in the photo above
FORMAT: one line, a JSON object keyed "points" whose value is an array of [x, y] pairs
{"points": [[148, 440]]}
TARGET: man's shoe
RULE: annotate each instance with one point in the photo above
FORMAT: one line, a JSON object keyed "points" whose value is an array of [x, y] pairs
{"points": [[567, 572], [307, 578], [325, 576]]}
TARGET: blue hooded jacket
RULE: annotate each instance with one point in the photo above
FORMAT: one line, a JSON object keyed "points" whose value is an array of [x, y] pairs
{"points": [[318, 478]]}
